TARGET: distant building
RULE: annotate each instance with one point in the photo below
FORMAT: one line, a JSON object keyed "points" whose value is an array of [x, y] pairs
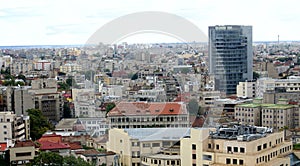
{"points": [[230, 56], [144, 114]]}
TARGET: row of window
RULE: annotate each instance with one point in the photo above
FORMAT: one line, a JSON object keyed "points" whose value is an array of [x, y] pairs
{"points": [[268, 157], [234, 161], [162, 162]]}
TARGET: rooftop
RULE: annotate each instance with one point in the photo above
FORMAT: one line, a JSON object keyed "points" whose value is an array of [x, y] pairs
{"points": [[151, 134], [145, 108], [279, 106], [240, 133]]}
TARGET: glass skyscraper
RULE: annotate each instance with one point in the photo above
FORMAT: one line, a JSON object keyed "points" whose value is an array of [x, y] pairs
{"points": [[230, 56]]}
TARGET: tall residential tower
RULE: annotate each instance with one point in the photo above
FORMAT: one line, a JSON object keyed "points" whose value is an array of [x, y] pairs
{"points": [[230, 56]]}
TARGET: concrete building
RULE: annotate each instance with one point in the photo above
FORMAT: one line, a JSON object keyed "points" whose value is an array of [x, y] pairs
{"points": [[70, 67], [275, 116], [23, 152], [139, 146], [143, 114], [246, 89], [230, 56], [240, 145], [291, 84], [43, 65], [13, 127]]}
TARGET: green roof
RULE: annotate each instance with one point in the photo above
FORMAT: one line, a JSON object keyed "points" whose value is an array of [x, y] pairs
{"points": [[272, 106]]}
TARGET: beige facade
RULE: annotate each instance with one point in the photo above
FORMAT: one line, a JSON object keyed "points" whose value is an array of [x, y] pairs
{"points": [[276, 116], [136, 146], [202, 150], [246, 89], [21, 154], [13, 128], [152, 114]]}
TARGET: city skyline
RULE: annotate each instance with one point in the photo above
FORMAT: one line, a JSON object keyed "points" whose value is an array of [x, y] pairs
{"points": [[64, 23]]}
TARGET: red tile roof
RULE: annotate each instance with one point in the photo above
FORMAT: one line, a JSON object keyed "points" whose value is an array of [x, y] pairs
{"points": [[48, 145], [51, 137], [144, 108], [3, 146], [74, 145]]}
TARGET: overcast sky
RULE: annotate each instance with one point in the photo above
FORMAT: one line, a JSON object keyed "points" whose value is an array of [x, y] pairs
{"points": [[56, 22]]}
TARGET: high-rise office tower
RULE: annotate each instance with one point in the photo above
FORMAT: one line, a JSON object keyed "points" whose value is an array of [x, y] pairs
{"points": [[230, 56]]}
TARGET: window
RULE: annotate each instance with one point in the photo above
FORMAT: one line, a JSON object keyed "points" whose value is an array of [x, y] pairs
{"points": [[209, 146], [194, 147], [234, 161], [265, 145], [155, 144], [228, 161], [146, 145], [194, 156], [241, 162], [5, 132], [217, 147], [258, 147], [207, 157], [235, 149], [229, 149], [5, 126], [242, 150]]}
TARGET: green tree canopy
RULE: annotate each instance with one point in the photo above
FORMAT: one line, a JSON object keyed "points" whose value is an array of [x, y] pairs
{"points": [[52, 158], [39, 124]]}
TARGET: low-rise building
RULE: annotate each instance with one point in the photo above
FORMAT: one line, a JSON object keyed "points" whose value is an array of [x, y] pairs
{"points": [[276, 116], [136, 146], [144, 114], [23, 152]]}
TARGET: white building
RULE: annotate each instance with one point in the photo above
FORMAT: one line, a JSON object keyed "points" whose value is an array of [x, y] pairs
{"points": [[246, 89]]}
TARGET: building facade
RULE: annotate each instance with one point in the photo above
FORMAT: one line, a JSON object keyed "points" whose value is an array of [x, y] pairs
{"points": [[276, 116], [233, 146], [230, 56], [143, 115]]}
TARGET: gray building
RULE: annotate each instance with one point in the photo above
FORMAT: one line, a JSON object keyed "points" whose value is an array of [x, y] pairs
{"points": [[230, 56]]}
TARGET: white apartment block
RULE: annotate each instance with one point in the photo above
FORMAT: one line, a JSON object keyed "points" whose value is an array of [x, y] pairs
{"points": [[246, 89]]}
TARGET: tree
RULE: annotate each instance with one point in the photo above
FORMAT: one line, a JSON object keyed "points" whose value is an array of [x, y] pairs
{"points": [[72, 160], [47, 158], [109, 107], [39, 124], [255, 75], [67, 110]]}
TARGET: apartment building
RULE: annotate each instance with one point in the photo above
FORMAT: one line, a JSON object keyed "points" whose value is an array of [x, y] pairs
{"points": [[276, 116], [291, 84], [136, 146], [246, 89], [13, 127], [239, 145], [70, 67], [144, 114]]}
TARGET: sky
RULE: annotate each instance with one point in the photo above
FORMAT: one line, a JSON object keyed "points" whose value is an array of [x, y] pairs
{"points": [[64, 22]]}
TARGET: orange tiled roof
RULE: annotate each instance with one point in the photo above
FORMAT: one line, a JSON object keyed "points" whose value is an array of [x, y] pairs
{"points": [[51, 137], [48, 145], [144, 108]]}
